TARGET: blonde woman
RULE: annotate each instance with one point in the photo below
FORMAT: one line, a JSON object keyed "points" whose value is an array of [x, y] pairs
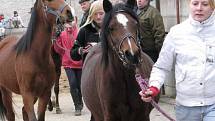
{"points": [[190, 49], [89, 32]]}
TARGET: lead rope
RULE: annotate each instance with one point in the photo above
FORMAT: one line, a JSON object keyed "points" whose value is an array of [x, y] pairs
{"points": [[144, 85]]}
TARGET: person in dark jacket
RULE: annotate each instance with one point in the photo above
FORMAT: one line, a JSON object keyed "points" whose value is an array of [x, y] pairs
{"points": [[151, 28], [85, 6], [89, 33]]}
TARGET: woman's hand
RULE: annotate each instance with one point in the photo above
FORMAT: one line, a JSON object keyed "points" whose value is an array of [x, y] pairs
{"points": [[83, 50], [148, 94], [87, 48]]}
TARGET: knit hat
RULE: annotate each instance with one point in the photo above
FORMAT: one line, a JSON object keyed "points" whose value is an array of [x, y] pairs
{"points": [[81, 1]]}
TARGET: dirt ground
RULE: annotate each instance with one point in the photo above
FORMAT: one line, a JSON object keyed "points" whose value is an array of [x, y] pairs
{"points": [[67, 107]]}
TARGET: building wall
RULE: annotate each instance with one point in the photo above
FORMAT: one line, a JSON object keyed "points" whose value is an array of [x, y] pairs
{"points": [[168, 11]]}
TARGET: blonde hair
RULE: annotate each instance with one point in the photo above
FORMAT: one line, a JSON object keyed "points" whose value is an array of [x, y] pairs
{"points": [[95, 7], [212, 4]]}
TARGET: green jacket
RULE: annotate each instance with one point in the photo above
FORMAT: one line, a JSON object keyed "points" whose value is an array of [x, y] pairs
{"points": [[151, 29]]}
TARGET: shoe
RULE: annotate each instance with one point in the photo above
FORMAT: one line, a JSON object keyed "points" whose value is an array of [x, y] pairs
{"points": [[77, 112]]}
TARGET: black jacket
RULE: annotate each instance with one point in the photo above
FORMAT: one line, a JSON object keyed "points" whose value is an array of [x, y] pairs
{"points": [[87, 34]]}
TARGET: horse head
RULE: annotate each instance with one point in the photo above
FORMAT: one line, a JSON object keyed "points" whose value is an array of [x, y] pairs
{"points": [[60, 11], [121, 29]]}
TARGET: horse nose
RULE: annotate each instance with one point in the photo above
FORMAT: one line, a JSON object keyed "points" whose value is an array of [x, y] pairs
{"points": [[133, 58]]}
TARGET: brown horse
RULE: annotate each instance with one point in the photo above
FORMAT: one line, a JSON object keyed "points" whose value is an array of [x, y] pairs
{"points": [[26, 65], [108, 83]]}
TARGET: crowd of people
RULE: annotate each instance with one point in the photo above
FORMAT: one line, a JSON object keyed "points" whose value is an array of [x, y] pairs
{"points": [[8, 23]]}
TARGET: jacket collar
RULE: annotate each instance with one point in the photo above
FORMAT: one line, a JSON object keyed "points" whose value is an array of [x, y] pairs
{"points": [[142, 10], [205, 23]]}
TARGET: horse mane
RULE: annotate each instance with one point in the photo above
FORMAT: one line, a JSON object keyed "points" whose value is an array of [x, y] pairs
{"points": [[105, 30], [26, 40]]}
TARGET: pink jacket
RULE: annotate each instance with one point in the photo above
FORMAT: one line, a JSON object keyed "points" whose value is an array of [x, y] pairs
{"points": [[63, 45]]}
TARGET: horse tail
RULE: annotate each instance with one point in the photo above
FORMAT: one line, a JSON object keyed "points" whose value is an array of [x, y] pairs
{"points": [[2, 108]]}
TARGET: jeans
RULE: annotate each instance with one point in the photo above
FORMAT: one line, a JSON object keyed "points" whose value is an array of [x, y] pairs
{"points": [[74, 77], [198, 113]]}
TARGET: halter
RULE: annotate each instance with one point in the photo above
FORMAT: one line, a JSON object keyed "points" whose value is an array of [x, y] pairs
{"points": [[58, 20], [118, 50]]}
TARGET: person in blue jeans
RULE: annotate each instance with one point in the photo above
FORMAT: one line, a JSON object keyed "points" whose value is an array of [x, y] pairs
{"points": [[189, 49], [73, 68]]}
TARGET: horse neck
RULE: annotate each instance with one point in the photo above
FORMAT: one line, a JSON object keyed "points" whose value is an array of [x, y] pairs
{"points": [[114, 61], [42, 39], [116, 69]]}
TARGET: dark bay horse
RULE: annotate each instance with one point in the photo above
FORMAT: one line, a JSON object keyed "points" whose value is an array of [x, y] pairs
{"points": [[57, 62], [26, 65], [108, 83]]}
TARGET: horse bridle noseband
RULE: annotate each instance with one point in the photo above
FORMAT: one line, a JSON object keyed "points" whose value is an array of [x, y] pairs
{"points": [[118, 50], [58, 21]]}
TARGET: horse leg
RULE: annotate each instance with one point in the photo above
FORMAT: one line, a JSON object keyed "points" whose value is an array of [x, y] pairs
{"points": [[28, 100], [24, 113], [56, 90], [50, 105], [42, 104], [7, 101], [57, 61], [2, 108]]}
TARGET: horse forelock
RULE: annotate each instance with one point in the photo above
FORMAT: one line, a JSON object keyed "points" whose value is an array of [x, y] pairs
{"points": [[26, 40], [120, 7]]}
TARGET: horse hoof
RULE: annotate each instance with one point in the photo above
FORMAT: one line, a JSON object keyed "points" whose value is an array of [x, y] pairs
{"points": [[58, 111], [50, 108], [77, 112]]}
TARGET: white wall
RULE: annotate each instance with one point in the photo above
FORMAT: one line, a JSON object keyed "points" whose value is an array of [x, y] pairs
{"points": [[168, 11]]}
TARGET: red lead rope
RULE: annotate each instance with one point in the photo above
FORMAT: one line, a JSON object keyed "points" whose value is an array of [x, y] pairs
{"points": [[144, 85]]}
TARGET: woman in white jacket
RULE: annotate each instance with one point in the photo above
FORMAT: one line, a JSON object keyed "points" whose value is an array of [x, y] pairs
{"points": [[189, 48]]}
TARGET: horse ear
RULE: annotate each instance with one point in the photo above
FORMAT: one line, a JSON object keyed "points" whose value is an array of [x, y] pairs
{"points": [[130, 3], [107, 5]]}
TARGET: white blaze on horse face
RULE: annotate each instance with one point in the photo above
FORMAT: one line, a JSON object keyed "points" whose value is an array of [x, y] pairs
{"points": [[122, 19]]}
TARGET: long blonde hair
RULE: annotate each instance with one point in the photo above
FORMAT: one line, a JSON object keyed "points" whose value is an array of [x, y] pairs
{"points": [[95, 6]]}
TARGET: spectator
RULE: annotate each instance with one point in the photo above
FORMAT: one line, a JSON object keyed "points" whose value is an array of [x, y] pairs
{"points": [[89, 32], [189, 48], [151, 28], [85, 6], [73, 69], [2, 26], [16, 20], [1, 17]]}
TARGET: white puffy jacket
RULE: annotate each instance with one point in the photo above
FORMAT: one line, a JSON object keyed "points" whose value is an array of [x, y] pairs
{"points": [[189, 48]]}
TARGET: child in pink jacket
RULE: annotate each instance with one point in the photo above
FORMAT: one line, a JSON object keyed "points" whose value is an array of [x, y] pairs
{"points": [[73, 69]]}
